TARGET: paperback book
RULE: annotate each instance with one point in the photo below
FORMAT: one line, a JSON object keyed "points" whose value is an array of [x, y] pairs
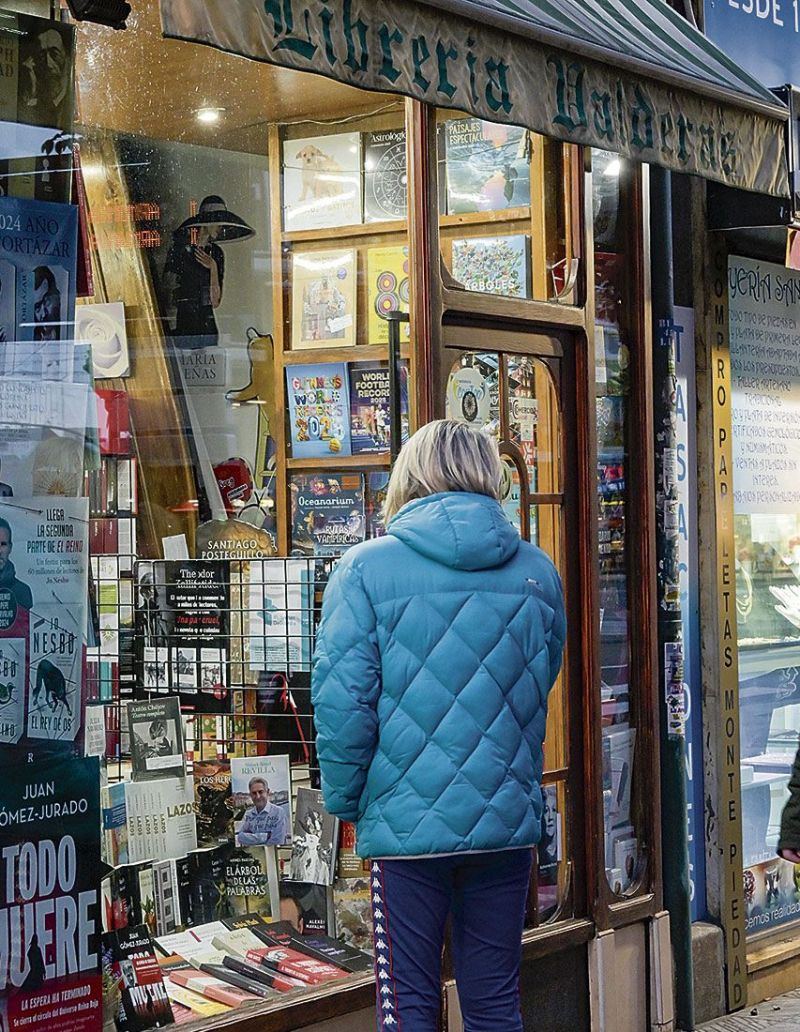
{"points": [[156, 739], [488, 166], [319, 410], [262, 800], [314, 840], [388, 273], [328, 514], [493, 265], [324, 299], [385, 176], [132, 980], [370, 406], [161, 818], [212, 794], [251, 878], [322, 182]]}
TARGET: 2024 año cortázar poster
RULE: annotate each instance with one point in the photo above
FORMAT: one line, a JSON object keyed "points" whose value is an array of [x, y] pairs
{"points": [[44, 557], [49, 896]]}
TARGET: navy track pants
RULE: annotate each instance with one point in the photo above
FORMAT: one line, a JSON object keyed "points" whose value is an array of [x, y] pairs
{"points": [[411, 901]]}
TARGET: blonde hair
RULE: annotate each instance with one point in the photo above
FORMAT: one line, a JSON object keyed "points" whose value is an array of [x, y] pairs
{"points": [[443, 456]]}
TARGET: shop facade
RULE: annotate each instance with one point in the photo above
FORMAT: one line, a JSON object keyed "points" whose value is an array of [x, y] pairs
{"points": [[257, 190]]}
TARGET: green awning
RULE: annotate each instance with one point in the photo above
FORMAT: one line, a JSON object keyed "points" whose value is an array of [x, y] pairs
{"points": [[629, 76], [645, 37]]}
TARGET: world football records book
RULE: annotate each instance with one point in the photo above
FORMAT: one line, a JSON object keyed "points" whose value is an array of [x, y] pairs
{"points": [[50, 895]]}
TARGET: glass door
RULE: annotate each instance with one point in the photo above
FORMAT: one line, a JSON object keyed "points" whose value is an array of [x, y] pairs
{"points": [[514, 393]]}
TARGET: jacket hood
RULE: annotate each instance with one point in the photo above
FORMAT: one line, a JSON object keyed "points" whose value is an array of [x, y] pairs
{"points": [[458, 529]]}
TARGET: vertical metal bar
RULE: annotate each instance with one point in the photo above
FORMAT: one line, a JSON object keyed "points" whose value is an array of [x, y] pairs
{"points": [[395, 392]]}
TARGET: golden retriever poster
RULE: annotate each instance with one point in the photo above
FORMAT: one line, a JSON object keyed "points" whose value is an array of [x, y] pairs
{"points": [[322, 182]]}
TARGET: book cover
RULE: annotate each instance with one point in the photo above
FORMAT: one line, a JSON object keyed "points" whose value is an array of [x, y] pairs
{"points": [[314, 841], [216, 968], [161, 818], [207, 869], [488, 166], [102, 327], [377, 486], [494, 265], [283, 959], [319, 947], [308, 907], [324, 299], [352, 906], [385, 175], [241, 944], [262, 799], [389, 290], [130, 966], [166, 897], [319, 410], [115, 826], [350, 864], [212, 795], [200, 1006], [265, 976], [50, 897], [156, 737], [147, 898], [251, 877], [370, 406], [328, 514], [322, 182], [211, 987]]}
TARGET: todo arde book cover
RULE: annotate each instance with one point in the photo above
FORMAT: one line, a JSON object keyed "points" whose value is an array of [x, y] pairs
{"points": [[494, 265], [488, 166]]}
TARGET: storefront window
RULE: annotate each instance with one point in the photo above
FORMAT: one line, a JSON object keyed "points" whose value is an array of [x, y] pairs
{"points": [[763, 337], [505, 228], [613, 328]]}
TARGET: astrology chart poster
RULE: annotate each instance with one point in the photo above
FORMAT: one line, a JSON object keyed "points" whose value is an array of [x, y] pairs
{"points": [[44, 559]]}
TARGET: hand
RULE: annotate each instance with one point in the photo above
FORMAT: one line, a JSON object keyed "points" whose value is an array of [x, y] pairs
{"points": [[792, 855], [203, 257]]}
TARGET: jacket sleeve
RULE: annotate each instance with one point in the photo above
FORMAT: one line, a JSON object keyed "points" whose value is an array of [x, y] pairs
{"points": [[790, 818], [345, 686], [558, 628]]}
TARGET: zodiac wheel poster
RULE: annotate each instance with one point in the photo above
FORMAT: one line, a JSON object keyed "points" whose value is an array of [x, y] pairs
{"points": [[385, 176], [44, 562]]}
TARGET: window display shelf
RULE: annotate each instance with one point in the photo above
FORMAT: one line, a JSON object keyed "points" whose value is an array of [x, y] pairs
{"points": [[358, 353], [485, 218], [379, 460], [361, 229]]}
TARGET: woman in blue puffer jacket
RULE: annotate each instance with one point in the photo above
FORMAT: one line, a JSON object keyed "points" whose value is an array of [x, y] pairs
{"points": [[438, 646]]}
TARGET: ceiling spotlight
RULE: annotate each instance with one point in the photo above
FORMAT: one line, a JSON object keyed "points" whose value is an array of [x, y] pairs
{"points": [[103, 12], [209, 115]]}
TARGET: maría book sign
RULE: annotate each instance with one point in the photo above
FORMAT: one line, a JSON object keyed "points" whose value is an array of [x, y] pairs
{"points": [[50, 896]]}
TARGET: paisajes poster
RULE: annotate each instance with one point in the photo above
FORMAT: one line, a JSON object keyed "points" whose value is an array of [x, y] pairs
{"points": [[44, 560], [49, 896]]}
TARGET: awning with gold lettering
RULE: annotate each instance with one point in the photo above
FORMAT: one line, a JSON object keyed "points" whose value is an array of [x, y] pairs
{"points": [[630, 76]]}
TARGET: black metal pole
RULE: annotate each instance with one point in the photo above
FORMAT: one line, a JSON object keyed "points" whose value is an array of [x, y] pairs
{"points": [[395, 394], [674, 831]]}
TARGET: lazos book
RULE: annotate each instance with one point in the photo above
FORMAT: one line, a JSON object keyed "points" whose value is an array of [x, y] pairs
{"points": [[322, 182], [494, 265], [385, 176], [324, 299], [161, 819], [328, 514], [488, 166], [319, 410], [389, 290]]}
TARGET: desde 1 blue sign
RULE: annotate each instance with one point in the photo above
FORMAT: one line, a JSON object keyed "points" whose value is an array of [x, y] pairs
{"points": [[763, 36]]}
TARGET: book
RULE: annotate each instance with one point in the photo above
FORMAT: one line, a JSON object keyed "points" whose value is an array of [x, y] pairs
{"points": [[270, 979], [488, 166], [166, 895], [161, 819], [212, 987], [200, 1006], [324, 299], [156, 737], [328, 514], [377, 486], [211, 962], [208, 886], [242, 945], [251, 877], [262, 797], [147, 898], [385, 175], [494, 265], [283, 959], [319, 947], [308, 907], [133, 976], [322, 182], [314, 839], [212, 796], [115, 824], [370, 406], [319, 410], [352, 907], [349, 863], [389, 290], [102, 327]]}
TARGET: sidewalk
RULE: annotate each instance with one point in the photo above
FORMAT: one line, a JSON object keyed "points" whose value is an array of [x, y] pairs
{"points": [[779, 1015]]}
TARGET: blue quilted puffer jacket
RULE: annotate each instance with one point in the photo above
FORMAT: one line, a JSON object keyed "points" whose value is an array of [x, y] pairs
{"points": [[437, 649]]}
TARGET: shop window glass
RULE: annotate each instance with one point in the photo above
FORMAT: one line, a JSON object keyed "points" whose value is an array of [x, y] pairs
{"points": [[505, 227], [514, 398], [614, 323], [189, 450]]}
